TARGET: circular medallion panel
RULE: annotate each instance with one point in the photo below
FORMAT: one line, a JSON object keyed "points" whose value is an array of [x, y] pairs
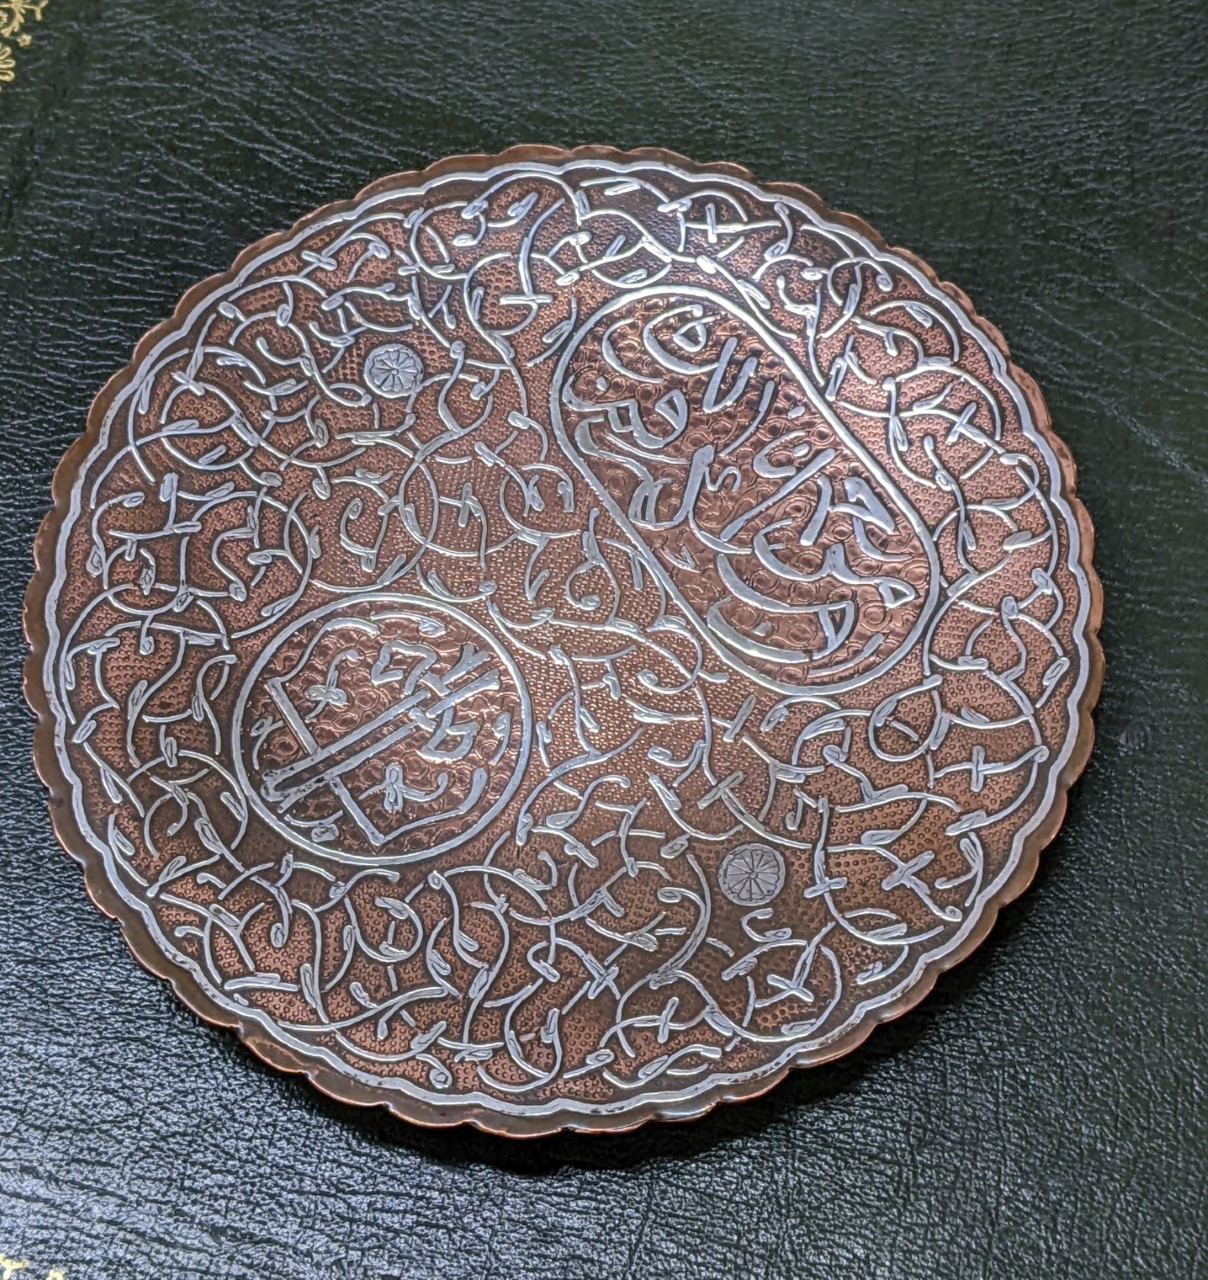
{"points": [[381, 728], [563, 638]]}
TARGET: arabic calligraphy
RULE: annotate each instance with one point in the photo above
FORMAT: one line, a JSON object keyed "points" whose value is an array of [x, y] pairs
{"points": [[382, 727]]}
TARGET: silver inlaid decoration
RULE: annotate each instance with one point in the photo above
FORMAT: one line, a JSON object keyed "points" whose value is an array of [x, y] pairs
{"points": [[563, 638]]}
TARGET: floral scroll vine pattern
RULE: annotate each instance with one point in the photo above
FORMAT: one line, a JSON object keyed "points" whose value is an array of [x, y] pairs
{"points": [[14, 14], [734, 863]]}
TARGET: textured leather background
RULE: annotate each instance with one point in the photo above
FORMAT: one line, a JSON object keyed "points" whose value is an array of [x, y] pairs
{"points": [[1041, 1114]]}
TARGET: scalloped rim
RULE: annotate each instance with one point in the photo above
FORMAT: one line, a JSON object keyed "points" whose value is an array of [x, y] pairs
{"points": [[325, 1078]]}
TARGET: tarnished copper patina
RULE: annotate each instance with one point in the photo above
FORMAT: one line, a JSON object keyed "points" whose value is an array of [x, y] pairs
{"points": [[562, 638]]}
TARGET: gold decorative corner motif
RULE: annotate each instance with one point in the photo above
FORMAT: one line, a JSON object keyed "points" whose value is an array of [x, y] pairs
{"points": [[14, 14], [9, 1267]]}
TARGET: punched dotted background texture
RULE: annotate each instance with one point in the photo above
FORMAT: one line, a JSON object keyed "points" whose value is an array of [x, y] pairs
{"points": [[1041, 1113]]}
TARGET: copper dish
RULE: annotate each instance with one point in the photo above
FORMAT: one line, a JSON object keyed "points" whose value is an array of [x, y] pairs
{"points": [[562, 638]]}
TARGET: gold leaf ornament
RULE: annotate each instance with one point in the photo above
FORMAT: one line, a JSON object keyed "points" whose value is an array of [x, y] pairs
{"points": [[14, 14]]}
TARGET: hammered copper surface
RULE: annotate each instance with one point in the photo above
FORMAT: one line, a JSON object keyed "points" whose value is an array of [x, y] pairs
{"points": [[563, 638]]}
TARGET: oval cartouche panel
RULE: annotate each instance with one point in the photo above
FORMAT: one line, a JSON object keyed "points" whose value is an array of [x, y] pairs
{"points": [[562, 638]]}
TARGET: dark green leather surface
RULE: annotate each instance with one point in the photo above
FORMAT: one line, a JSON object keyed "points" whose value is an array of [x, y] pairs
{"points": [[1041, 1114]]}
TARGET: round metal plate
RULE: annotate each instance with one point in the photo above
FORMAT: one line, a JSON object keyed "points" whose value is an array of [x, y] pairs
{"points": [[562, 638]]}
